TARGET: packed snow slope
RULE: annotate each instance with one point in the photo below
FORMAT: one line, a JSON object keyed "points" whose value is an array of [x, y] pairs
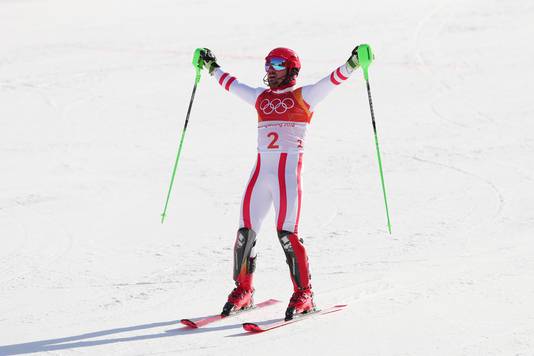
{"points": [[93, 97]]}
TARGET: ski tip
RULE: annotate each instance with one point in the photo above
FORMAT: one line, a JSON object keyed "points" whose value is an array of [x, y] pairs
{"points": [[189, 323], [341, 306], [272, 301], [251, 327]]}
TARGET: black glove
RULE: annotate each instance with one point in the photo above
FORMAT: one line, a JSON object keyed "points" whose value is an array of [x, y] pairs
{"points": [[353, 59], [210, 62]]}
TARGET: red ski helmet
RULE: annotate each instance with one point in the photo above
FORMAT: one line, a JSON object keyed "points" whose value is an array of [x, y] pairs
{"points": [[288, 54], [292, 59]]}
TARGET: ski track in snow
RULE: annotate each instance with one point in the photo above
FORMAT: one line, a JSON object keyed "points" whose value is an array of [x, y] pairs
{"points": [[92, 101]]}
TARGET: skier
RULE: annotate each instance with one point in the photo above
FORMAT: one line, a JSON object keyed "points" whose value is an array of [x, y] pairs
{"points": [[284, 113]]}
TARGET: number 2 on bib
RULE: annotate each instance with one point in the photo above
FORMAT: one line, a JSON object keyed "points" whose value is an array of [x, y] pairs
{"points": [[274, 137]]}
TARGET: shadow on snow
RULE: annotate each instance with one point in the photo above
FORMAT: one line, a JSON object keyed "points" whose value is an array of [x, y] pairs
{"points": [[78, 341]]}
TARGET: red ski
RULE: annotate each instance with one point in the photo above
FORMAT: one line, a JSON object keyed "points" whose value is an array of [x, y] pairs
{"points": [[213, 318], [257, 328]]}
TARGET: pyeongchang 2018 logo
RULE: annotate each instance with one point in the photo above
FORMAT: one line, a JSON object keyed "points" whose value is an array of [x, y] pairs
{"points": [[278, 106]]}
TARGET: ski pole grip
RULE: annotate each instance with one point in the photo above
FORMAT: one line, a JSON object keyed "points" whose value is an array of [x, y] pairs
{"points": [[365, 58], [198, 63]]}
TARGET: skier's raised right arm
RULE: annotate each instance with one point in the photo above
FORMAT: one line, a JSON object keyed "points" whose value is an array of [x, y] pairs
{"points": [[227, 81]]}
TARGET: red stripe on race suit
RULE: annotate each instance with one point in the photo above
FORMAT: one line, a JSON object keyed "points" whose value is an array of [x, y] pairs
{"points": [[299, 188], [340, 75], [223, 77], [333, 79], [282, 188], [248, 194], [229, 82]]}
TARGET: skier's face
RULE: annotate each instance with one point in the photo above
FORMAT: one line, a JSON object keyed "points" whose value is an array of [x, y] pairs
{"points": [[276, 77], [276, 72]]}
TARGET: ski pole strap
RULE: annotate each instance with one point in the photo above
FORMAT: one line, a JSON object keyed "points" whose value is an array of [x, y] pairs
{"points": [[365, 58], [198, 63]]}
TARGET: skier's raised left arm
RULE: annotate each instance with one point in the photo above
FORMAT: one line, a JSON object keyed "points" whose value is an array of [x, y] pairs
{"points": [[228, 81], [315, 93]]}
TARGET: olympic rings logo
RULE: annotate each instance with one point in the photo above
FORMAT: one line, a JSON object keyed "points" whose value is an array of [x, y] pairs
{"points": [[277, 105]]}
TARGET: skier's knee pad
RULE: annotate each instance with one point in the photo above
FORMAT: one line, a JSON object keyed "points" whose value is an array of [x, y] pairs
{"points": [[244, 253], [296, 257]]}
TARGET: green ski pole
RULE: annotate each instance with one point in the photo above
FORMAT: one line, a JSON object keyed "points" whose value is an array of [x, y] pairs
{"points": [[198, 64], [365, 58]]}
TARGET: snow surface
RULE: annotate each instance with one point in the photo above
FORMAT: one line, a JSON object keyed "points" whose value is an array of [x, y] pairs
{"points": [[93, 97]]}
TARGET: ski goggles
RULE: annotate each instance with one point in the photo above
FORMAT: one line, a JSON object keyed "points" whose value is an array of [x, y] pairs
{"points": [[275, 62]]}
